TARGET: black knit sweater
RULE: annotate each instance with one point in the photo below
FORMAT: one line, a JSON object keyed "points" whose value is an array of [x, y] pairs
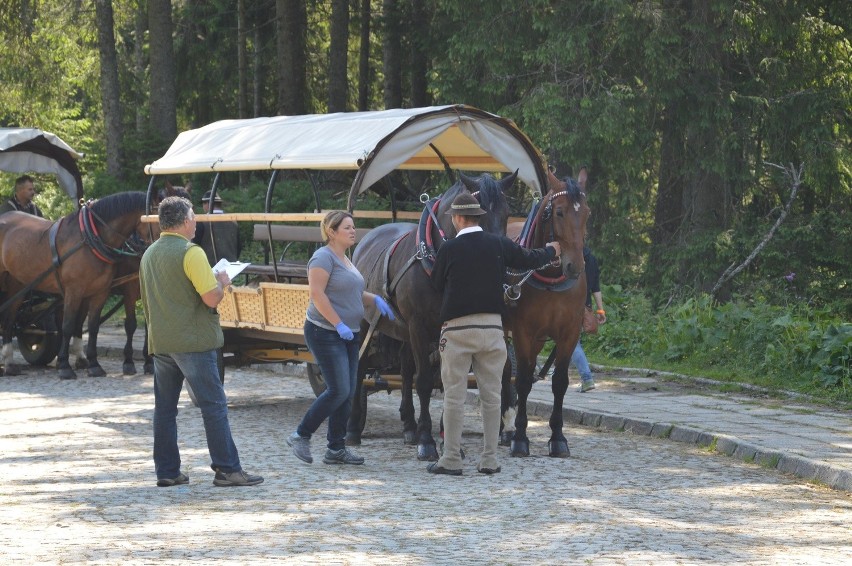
{"points": [[470, 268]]}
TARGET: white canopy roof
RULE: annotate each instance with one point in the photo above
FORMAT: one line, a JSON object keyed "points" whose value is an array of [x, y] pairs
{"points": [[374, 143], [30, 150]]}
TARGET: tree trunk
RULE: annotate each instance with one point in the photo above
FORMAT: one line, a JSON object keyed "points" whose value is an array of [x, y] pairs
{"points": [[256, 77], [292, 18], [392, 56], [242, 61], [419, 54], [338, 57], [163, 88], [110, 91], [668, 212], [364, 75], [139, 26]]}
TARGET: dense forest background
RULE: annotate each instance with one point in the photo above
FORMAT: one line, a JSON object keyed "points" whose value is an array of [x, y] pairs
{"points": [[684, 111]]}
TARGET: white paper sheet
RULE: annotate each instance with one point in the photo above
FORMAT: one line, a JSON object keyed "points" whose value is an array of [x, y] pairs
{"points": [[233, 268]]}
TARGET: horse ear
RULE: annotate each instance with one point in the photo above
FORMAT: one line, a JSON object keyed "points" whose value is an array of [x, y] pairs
{"points": [[506, 183], [469, 183], [553, 183], [188, 187], [582, 178], [169, 188]]}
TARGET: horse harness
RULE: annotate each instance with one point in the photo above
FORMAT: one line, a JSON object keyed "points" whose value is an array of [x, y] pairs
{"points": [[512, 292], [90, 237], [425, 253]]}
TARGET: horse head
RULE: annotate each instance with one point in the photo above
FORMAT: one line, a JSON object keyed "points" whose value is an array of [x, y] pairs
{"points": [[174, 191], [562, 216], [491, 194], [113, 224]]}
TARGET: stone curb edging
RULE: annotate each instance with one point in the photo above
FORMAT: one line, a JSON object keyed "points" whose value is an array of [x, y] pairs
{"points": [[800, 466]]}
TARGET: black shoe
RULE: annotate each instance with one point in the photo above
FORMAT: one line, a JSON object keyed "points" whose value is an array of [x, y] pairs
{"points": [[489, 471], [233, 479], [434, 468], [169, 482]]}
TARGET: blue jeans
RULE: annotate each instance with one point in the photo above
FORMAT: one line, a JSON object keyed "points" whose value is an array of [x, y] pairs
{"points": [[578, 358], [338, 361], [202, 372]]}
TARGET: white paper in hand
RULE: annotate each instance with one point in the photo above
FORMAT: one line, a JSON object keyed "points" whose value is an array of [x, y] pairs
{"points": [[232, 268]]}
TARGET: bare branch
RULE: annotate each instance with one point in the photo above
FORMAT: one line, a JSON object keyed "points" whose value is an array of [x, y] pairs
{"points": [[795, 177]]}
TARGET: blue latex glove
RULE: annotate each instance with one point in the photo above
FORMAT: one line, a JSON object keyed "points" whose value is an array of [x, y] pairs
{"points": [[383, 307], [344, 331]]}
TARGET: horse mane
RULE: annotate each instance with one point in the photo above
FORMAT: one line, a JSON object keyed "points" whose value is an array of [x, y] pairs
{"points": [[489, 191], [490, 197], [118, 204]]}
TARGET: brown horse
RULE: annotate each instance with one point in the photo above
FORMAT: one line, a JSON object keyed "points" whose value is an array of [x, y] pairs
{"points": [[126, 286], [550, 304], [74, 257], [387, 257]]}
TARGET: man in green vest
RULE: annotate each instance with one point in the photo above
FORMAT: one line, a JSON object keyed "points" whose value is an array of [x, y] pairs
{"points": [[179, 295]]}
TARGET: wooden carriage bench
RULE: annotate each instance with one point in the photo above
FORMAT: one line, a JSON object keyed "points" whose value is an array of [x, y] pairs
{"points": [[289, 269]]}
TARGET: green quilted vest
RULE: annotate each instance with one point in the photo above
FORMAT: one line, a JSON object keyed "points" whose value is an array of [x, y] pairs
{"points": [[178, 320]]}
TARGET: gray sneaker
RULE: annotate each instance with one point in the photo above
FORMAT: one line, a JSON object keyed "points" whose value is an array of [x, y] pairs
{"points": [[587, 385], [234, 479], [342, 456], [301, 447], [181, 479]]}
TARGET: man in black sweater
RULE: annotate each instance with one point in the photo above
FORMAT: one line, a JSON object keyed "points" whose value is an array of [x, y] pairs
{"points": [[469, 271]]}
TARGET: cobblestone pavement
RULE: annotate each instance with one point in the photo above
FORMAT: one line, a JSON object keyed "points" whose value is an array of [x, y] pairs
{"points": [[78, 487]]}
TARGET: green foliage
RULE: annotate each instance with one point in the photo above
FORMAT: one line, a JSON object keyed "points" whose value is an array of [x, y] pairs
{"points": [[792, 348], [834, 356]]}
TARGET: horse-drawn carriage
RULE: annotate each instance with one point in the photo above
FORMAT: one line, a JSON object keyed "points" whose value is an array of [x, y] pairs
{"points": [[263, 318], [37, 320]]}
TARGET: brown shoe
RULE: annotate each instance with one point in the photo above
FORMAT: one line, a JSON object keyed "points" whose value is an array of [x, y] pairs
{"points": [[434, 468]]}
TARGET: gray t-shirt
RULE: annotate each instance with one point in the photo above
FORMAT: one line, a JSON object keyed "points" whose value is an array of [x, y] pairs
{"points": [[344, 290]]}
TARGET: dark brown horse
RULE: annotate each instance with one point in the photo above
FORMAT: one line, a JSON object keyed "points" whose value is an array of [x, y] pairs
{"points": [[389, 254], [550, 304], [74, 257]]}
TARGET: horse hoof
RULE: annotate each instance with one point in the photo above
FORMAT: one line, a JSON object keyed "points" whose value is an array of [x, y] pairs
{"points": [[12, 369], [427, 453], [353, 439], [558, 449], [81, 363], [67, 373], [96, 371], [148, 369], [506, 438], [409, 437], [520, 448], [128, 369]]}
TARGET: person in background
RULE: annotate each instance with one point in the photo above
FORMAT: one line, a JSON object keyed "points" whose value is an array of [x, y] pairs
{"points": [[179, 296], [336, 307], [593, 289], [22, 199], [217, 239], [469, 272]]}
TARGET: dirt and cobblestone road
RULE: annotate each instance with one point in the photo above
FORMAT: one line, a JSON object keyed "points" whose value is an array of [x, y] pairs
{"points": [[78, 487]]}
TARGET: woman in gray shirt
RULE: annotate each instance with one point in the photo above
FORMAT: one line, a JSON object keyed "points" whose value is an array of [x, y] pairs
{"points": [[336, 308]]}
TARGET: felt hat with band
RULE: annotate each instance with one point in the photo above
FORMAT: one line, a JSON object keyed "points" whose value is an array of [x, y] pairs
{"points": [[466, 205], [206, 198]]}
